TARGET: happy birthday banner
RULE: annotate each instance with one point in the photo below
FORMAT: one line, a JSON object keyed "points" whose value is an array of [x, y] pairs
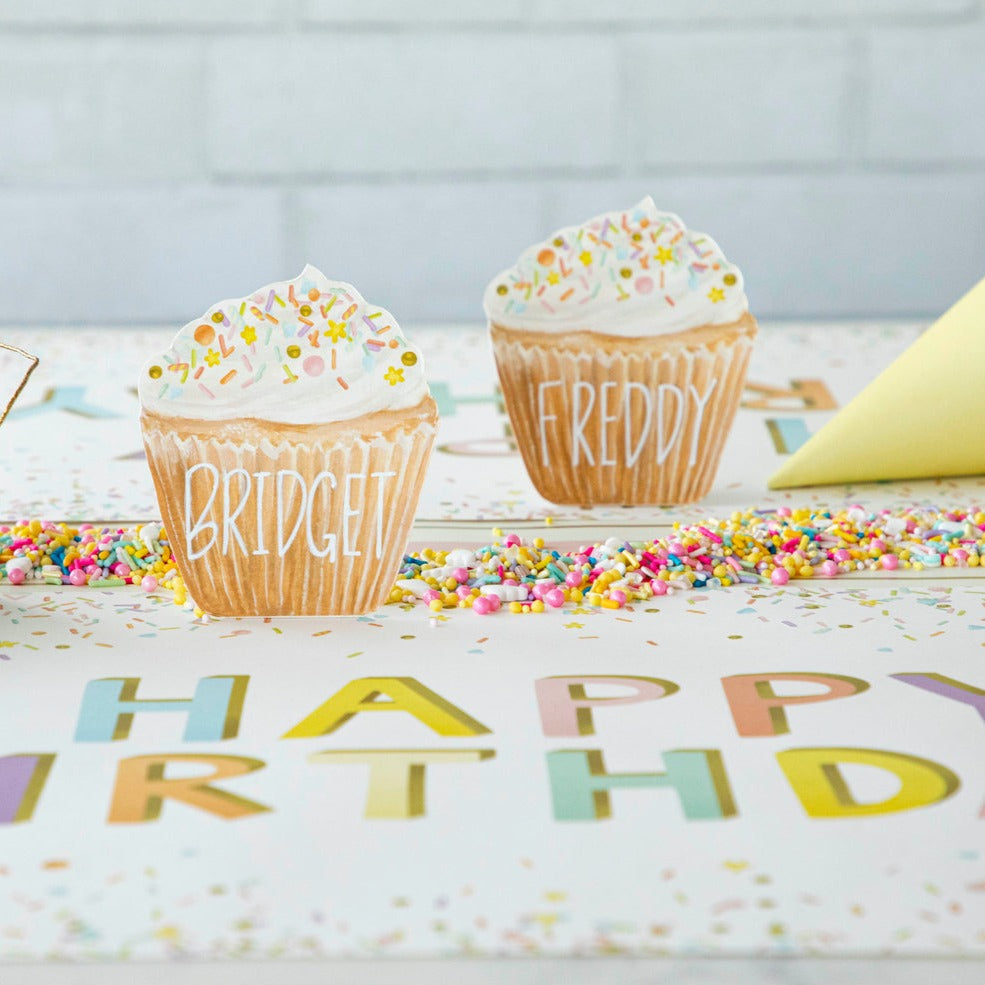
{"points": [[756, 771], [751, 771]]}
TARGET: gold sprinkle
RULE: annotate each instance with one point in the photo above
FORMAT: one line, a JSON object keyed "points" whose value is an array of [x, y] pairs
{"points": [[217, 316], [558, 241], [305, 310], [625, 272], [502, 289], [729, 279], [408, 358], [294, 351], [637, 237], [155, 372]]}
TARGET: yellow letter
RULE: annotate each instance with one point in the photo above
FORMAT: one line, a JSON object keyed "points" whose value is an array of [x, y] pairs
{"points": [[404, 694], [396, 776], [817, 781]]}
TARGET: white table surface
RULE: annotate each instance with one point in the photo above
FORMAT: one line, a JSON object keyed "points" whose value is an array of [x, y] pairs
{"points": [[94, 471]]}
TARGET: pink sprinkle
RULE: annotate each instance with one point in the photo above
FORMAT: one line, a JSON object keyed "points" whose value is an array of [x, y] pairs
{"points": [[206, 391], [780, 576], [554, 598], [482, 606], [889, 561]]}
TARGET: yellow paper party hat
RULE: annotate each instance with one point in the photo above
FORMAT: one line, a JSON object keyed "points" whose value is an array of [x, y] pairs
{"points": [[922, 417]]}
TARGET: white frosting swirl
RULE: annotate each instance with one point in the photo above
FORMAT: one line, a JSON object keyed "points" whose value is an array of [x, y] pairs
{"points": [[631, 273], [303, 351]]}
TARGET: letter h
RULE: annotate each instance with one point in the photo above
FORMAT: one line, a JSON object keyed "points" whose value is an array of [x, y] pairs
{"points": [[108, 707]]}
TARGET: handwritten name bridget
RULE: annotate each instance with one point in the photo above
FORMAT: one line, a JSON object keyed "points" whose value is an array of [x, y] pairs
{"points": [[641, 416], [295, 503]]}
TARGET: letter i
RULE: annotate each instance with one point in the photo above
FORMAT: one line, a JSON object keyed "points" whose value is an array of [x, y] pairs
{"points": [[22, 779]]}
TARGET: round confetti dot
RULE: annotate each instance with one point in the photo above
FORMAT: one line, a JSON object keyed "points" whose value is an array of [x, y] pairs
{"points": [[314, 294], [502, 289], [155, 372], [626, 272], [313, 365], [409, 358], [294, 351], [644, 285], [637, 237], [546, 257], [729, 279], [558, 241], [305, 310], [393, 343], [205, 334], [217, 317]]}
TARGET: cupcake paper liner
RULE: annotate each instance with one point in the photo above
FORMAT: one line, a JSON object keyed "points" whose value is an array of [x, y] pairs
{"points": [[629, 421], [249, 507]]}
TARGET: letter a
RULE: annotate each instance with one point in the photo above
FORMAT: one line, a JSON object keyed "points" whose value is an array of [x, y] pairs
{"points": [[403, 694]]}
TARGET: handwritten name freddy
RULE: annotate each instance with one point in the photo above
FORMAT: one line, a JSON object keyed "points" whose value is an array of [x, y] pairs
{"points": [[580, 784], [607, 427]]}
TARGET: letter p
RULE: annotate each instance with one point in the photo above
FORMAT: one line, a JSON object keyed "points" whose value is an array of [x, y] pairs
{"points": [[759, 710], [566, 710]]}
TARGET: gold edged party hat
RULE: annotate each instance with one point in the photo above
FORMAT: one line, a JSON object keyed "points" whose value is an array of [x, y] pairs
{"points": [[922, 417], [16, 367]]}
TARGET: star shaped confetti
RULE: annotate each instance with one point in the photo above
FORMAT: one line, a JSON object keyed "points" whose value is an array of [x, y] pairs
{"points": [[336, 330]]}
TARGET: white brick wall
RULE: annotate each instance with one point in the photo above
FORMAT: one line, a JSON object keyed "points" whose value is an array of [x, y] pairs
{"points": [[155, 157]]}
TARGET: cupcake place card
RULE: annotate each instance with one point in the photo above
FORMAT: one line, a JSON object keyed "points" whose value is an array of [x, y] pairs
{"points": [[622, 346], [287, 434]]}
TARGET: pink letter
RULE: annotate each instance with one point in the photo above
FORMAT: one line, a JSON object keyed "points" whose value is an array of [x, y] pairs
{"points": [[565, 709]]}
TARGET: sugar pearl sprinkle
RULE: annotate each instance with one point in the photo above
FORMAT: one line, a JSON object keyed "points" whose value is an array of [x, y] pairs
{"points": [[50, 553], [755, 547]]}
